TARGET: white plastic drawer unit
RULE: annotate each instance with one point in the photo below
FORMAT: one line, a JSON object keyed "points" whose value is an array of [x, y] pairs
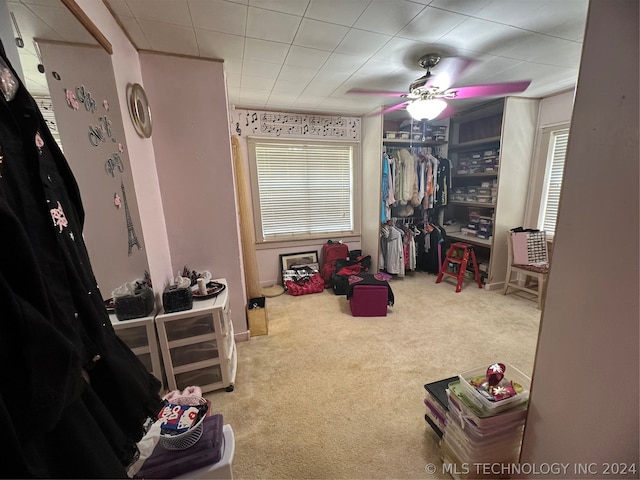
{"points": [[134, 337], [139, 334], [198, 346], [193, 353], [203, 376], [191, 327]]}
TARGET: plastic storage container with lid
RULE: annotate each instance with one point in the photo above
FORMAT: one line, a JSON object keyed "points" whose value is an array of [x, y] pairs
{"points": [[511, 375]]}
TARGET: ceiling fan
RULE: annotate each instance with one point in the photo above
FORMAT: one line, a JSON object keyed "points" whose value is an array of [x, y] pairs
{"points": [[428, 94]]}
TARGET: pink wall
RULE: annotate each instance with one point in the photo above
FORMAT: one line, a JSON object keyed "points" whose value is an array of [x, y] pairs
{"points": [[126, 70], [193, 159], [584, 405]]}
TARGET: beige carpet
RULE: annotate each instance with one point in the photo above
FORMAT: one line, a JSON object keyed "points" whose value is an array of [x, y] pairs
{"points": [[331, 396]]}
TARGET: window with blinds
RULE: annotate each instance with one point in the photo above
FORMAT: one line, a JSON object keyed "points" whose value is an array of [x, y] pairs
{"points": [[553, 180], [303, 190]]}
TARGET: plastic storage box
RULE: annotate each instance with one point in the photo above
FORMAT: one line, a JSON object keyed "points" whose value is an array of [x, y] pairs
{"points": [[511, 374]]}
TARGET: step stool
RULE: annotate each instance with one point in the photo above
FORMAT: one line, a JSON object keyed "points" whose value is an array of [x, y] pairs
{"points": [[459, 254]]}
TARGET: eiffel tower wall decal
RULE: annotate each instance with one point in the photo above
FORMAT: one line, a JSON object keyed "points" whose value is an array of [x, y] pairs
{"points": [[133, 238]]}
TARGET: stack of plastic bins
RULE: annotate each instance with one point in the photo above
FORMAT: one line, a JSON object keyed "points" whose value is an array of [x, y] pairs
{"points": [[435, 399], [480, 435]]}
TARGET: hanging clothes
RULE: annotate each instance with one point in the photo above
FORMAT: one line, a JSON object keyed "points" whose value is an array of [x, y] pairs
{"points": [[74, 398], [392, 245], [443, 179]]}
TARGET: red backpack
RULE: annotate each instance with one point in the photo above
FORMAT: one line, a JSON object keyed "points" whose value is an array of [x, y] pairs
{"points": [[332, 251]]}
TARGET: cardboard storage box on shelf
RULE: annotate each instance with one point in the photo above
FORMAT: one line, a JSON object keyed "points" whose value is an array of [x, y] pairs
{"points": [[391, 135]]}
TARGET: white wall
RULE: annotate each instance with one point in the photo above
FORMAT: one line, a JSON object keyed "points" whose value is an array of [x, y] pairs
{"points": [[584, 405], [554, 111], [105, 227]]}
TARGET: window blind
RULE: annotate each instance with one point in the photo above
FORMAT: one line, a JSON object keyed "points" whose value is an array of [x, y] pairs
{"points": [[557, 155], [304, 190]]}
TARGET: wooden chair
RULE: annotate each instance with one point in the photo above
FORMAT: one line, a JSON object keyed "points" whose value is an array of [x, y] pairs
{"points": [[538, 271]]}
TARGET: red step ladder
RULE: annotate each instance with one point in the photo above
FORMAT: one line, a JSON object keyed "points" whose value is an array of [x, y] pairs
{"points": [[459, 254]]}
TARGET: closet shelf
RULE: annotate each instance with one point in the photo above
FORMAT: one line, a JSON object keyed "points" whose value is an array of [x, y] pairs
{"points": [[474, 144], [471, 175], [469, 239], [475, 204], [415, 143]]}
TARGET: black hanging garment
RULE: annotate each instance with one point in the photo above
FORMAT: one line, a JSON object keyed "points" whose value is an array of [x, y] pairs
{"points": [[430, 247], [73, 397]]}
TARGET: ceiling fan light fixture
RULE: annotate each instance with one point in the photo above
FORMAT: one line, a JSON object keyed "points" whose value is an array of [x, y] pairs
{"points": [[426, 109]]}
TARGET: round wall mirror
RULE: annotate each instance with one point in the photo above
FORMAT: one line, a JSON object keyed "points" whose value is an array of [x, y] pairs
{"points": [[139, 110]]}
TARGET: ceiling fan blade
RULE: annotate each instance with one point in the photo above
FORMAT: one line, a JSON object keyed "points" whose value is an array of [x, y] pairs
{"points": [[389, 109], [384, 93], [488, 89], [448, 72]]}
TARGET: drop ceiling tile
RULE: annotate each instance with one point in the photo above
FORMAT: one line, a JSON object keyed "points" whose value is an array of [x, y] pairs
{"points": [[294, 7], [119, 7], [135, 33], [256, 68], [170, 38], [288, 86], [361, 42], [375, 67], [464, 7], [265, 51], [391, 82], [249, 82], [566, 54], [257, 96], [431, 24], [297, 74], [528, 45], [479, 35], [268, 25], [355, 105], [545, 78], [336, 11], [219, 45], [62, 21], [30, 25], [282, 97], [320, 35], [306, 103], [388, 17], [174, 12], [339, 62], [219, 16], [567, 21], [306, 57], [403, 51], [233, 80], [233, 66], [330, 77], [509, 12], [482, 67], [320, 88]]}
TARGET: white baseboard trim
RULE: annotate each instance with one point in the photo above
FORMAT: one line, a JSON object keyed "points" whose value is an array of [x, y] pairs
{"points": [[242, 336]]}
